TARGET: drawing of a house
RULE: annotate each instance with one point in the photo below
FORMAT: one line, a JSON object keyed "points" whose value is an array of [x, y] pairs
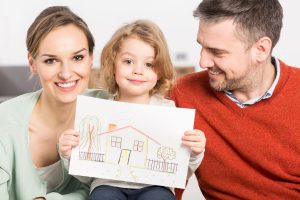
{"points": [[127, 146]]}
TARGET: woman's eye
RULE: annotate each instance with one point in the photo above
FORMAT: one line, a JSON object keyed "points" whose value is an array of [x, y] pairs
{"points": [[50, 61], [78, 58]]}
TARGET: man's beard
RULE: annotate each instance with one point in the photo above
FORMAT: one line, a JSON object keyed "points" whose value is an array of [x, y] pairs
{"points": [[232, 84], [224, 85]]}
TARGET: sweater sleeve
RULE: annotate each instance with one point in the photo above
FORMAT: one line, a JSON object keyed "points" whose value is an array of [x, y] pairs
{"points": [[81, 194], [83, 179], [3, 184], [74, 190], [4, 176], [77, 191]]}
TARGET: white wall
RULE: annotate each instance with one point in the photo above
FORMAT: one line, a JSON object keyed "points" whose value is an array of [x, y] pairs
{"points": [[173, 16], [104, 17]]}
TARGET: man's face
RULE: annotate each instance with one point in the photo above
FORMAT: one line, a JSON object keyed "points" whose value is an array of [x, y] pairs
{"points": [[227, 58]]}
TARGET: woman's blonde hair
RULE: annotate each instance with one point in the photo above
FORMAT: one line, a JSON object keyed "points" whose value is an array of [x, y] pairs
{"points": [[149, 33]]}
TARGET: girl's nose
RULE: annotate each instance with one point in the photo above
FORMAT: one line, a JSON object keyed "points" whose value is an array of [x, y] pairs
{"points": [[138, 69]]}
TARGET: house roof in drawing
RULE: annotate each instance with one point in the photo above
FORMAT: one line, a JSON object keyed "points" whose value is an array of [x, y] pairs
{"points": [[133, 128]]}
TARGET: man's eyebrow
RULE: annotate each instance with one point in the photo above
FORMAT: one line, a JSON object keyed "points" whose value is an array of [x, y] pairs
{"points": [[216, 50]]}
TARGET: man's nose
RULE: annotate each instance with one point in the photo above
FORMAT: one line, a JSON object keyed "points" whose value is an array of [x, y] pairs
{"points": [[206, 59]]}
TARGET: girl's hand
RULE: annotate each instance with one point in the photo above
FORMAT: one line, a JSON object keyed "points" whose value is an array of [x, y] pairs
{"points": [[68, 140], [195, 140]]}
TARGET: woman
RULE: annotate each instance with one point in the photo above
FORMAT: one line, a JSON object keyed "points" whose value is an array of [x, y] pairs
{"points": [[60, 48]]}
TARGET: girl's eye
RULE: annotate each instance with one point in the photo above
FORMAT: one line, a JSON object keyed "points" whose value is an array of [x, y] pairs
{"points": [[128, 61], [149, 65], [50, 61], [78, 58]]}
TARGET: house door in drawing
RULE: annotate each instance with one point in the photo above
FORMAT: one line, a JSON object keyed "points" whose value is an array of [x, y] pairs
{"points": [[124, 157]]}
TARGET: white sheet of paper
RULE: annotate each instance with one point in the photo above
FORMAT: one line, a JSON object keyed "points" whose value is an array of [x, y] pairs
{"points": [[131, 142]]}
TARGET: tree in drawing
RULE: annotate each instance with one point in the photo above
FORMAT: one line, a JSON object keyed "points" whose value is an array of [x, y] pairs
{"points": [[88, 128], [166, 153]]}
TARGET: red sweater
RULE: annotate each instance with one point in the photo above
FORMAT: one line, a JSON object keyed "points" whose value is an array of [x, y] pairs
{"points": [[252, 152]]}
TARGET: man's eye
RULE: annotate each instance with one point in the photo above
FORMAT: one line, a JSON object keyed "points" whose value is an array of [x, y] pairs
{"points": [[217, 53], [78, 58]]}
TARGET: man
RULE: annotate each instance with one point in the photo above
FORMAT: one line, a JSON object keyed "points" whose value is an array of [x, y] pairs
{"points": [[247, 103]]}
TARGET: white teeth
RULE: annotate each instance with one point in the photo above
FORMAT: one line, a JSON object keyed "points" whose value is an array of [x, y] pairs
{"points": [[214, 72], [66, 85]]}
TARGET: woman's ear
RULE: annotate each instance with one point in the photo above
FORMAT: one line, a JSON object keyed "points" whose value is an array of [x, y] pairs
{"points": [[31, 63], [263, 49]]}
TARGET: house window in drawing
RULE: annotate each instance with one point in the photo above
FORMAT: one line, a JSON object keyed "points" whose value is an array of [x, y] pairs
{"points": [[116, 142], [138, 145]]}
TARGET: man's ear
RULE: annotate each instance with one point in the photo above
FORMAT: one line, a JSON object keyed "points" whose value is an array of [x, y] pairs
{"points": [[263, 49], [31, 63]]}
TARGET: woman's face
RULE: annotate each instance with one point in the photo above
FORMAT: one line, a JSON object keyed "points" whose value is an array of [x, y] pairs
{"points": [[63, 63]]}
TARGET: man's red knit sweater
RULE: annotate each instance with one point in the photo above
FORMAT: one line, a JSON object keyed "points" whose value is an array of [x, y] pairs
{"points": [[252, 152]]}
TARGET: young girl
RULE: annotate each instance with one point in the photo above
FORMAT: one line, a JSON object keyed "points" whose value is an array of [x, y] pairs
{"points": [[136, 68]]}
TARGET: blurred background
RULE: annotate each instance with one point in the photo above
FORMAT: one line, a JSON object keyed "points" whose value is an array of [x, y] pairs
{"points": [[103, 17]]}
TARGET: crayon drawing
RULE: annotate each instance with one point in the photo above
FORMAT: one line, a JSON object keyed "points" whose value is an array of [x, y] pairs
{"points": [[131, 142]]}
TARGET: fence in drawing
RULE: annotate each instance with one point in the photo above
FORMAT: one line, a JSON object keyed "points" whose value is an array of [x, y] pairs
{"points": [[126, 145]]}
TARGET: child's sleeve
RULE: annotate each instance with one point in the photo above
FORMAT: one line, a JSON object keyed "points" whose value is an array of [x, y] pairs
{"points": [[194, 163]]}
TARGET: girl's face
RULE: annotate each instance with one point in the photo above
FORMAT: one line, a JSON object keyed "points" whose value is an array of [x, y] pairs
{"points": [[63, 63], [134, 70]]}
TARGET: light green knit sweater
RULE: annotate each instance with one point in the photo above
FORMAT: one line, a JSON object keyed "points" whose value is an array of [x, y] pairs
{"points": [[18, 177]]}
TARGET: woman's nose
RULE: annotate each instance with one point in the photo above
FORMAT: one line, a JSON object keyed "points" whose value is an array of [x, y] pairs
{"points": [[65, 72]]}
